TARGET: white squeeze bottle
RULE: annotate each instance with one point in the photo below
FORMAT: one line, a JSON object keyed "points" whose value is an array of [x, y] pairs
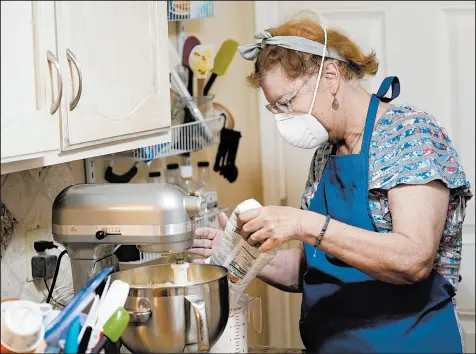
{"points": [[244, 262]]}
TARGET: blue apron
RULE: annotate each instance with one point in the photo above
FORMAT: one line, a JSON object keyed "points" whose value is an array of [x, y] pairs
{"points": [[346, 311]]}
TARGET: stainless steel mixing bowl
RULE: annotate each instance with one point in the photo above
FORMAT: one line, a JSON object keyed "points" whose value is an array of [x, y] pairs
{"points": [[166, 319]]}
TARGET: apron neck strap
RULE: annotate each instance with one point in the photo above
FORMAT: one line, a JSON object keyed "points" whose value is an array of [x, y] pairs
{"points": [[389, 82], [394, 83]]}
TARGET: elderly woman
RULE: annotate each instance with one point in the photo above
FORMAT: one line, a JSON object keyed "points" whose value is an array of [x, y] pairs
{"points": [[382, 212]]}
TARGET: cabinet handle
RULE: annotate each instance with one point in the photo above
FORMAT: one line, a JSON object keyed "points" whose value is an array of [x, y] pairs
{"points": [[52, 59], [72, 58]]}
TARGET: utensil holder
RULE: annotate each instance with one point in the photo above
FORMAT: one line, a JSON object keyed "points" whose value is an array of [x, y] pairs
{"points": [[204, 104]]}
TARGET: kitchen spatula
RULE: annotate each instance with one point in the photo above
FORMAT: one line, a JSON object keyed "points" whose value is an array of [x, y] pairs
{"points": [[181, 89], [113, 328], [222, 61], [190, 43], [201, 61], [116, 296]]}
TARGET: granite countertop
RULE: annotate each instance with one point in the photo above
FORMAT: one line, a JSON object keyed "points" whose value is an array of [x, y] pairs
{"points": [[267, 349]]}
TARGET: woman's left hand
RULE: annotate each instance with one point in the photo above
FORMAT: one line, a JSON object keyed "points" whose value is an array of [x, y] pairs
{"points": [[271, 226]]}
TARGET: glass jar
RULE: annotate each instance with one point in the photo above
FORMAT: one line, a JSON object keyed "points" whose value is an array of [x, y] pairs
{"points": [[204, 104], [155, 177], [172, 175]]}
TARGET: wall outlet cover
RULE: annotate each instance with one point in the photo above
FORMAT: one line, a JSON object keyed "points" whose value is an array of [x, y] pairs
{"points": [[30, 238], [43, 266]]}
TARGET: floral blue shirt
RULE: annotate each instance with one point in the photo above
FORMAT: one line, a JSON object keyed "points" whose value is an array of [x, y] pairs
{"points": [[409, 146]]}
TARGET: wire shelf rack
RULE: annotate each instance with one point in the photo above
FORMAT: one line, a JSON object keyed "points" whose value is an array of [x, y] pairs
{"points": [[189, 10], [184, 138]]}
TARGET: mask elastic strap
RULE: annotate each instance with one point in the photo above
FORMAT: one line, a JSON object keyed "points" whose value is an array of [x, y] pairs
{"points": [[320, 71]]}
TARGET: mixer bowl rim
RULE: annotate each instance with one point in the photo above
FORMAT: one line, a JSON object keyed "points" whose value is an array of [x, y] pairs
{"points": [[115, 276]]}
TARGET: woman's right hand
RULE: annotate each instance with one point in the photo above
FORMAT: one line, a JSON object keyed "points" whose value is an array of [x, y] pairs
{"points": [[207, 240]]}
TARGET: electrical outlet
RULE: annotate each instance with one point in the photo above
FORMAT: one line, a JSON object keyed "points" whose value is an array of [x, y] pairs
{"points": [[30, 237], [43, 267]]}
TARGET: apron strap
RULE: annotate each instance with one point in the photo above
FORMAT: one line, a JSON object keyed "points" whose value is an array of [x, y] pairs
{"points": [[394, 83]]}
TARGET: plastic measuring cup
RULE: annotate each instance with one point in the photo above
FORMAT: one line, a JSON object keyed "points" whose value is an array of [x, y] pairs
{"points": [[234, 338]]}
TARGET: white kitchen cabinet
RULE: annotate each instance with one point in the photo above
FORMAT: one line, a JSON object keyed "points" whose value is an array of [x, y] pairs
{"points": [[120, 50], [103, 64], [28, 85]]}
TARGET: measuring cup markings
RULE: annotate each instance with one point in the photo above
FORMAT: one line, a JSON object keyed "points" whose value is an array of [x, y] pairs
{"points": [[235, 336]]}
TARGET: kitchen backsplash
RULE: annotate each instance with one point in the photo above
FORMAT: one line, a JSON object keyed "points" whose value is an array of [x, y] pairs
{"points": [[26, 201]]}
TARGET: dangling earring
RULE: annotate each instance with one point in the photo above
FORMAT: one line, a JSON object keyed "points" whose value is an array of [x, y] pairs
{"points": [[335, 103]]}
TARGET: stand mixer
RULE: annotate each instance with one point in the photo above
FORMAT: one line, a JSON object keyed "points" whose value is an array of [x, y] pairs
{"points": [[91, 219]]}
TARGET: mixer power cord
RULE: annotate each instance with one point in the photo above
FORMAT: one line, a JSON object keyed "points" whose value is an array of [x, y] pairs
{"points": [[41, 246], [55, 276]]}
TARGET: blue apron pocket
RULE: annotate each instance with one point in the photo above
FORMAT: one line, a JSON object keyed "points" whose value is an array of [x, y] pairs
{"points": [[344, 196]]}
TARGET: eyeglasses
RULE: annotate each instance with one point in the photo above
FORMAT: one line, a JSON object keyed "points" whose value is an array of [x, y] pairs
{"points": [[285, 106]]}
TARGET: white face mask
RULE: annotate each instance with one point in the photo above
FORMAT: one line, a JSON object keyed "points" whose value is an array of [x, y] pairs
{"points": [[303, 130]]}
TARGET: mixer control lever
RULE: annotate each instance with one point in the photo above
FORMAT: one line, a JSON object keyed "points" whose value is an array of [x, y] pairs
{"points": [[102, 234]]}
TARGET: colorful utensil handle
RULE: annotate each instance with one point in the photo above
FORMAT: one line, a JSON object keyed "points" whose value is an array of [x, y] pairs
{"points": [[100, 345], [200, 85], [71, 345], [209, 84], [83, 345], [190, 81]]}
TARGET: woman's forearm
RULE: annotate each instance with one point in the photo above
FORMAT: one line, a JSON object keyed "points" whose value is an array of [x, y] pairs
{"points": [[389, 257], [285, 270]]}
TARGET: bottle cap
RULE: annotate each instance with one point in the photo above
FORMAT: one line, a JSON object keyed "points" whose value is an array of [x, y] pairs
{"points": [[247, 205], [172, 166], [203, 164], [186, 171], [154, 174]]}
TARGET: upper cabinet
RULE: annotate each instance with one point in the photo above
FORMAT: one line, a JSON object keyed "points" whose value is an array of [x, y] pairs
{"points": [[30, 79], [116, 69], [82, 79]]}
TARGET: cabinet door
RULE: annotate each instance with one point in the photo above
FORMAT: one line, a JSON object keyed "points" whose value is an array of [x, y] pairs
{"points": [[28, 127], [120, 52]]}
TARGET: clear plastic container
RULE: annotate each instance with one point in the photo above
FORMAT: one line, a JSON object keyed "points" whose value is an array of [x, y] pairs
{"points": [[172, 176], [155, 177], [209, 192], [234, 338], [187, 183], [204, 104]]}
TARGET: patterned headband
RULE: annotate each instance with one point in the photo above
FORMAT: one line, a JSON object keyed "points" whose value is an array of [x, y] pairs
{"points": [[300, 44]]}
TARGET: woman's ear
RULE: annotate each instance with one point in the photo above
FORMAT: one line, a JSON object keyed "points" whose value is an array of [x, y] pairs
{"points": [[331, 77]]}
